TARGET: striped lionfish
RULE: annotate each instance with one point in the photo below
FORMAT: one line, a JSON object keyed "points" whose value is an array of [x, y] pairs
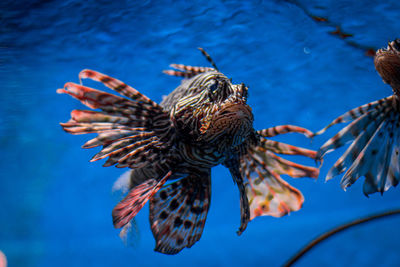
{"points": [[172, 146], [373, 132]]}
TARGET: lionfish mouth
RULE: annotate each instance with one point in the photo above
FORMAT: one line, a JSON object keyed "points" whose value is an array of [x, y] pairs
{"points": [[232, 122], [387, 63], [235, 110], [392, 48]]}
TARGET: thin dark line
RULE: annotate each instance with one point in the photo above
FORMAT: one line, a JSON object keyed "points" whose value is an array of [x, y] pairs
{"points": [[328, 234], [208, 58]]}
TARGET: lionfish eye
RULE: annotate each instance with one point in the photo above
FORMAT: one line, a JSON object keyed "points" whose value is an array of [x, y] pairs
{"points": [[213, 87], [219, 89], [244, 90], [396, 44]]}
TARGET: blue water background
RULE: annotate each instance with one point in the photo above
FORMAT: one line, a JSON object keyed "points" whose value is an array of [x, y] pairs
{"points": [[55, 206]]}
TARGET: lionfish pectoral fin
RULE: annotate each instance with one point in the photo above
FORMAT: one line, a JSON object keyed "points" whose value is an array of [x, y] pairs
{"points": [[265, 154], [282, 129], [267, 192], [132, 129], [355, 113], [178, 212], [134, 201], [375, 158], [233, 166], [374, 146], [361, 130], [371, 116], [270, 195]]}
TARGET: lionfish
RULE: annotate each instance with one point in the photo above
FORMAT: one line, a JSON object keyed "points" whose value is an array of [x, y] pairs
{"points": [[373, 132], [171, 147]]}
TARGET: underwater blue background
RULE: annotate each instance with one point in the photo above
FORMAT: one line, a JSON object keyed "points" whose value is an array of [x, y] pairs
{"points": [[55, 206]]}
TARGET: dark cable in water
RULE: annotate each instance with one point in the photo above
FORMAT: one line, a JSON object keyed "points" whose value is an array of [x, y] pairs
{"points": [[342, 227]]}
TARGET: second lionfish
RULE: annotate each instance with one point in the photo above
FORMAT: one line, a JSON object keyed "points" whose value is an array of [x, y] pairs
{"points": [[374, 133], [172, 146]]}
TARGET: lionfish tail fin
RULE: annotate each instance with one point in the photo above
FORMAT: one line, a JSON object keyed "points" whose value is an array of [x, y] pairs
{"points": [[374, 139], [266, 152], [178, 212], [133, 130], [133, 202]]}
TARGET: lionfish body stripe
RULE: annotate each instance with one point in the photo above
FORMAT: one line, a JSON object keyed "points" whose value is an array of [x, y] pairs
{"points": [[373, 133], [172, 146]]}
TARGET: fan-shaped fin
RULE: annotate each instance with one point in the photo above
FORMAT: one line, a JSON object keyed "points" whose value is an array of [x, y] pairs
{"points": [[367, 157], [117, 86], [393, 177], [374, 151], [134, 201], [178, 212], [267, 192], [374, 161], [285, 149], [356, 112], [133, 132], [352, 130], [283, 166], [352, 152]]}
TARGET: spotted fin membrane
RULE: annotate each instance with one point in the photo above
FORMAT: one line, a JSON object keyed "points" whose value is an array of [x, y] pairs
{"points": [[262, 168], [178, 213], [257, 172]]}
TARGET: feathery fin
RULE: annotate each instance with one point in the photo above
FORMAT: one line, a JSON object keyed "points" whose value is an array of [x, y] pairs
{"points": [[374, 148], [178, 212], [128, 129], [134, 201], [267, 192]]}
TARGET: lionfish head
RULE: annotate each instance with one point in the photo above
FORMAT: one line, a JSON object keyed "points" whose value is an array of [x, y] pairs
{"points": [[387, 63], [214, 110]]}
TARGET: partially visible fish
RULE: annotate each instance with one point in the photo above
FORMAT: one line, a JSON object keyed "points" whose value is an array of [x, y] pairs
{"points": [[3, 259], [172, 146], [373, 133]]}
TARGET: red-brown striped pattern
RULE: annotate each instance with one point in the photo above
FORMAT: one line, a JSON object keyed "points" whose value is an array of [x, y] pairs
{"points": [[373, 134], [172, 146]]}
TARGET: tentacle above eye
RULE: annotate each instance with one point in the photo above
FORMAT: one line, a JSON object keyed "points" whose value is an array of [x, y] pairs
{"points": [[186, 71]]}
